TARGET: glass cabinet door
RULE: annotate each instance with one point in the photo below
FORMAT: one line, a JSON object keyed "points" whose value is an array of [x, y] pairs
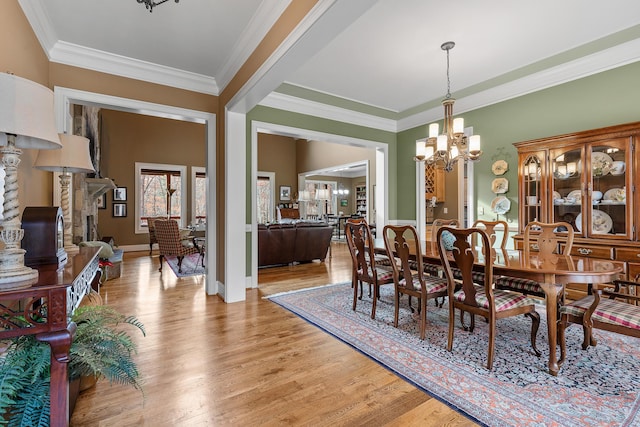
{"points": [[609, 189], [568, 197], [532, 187]]}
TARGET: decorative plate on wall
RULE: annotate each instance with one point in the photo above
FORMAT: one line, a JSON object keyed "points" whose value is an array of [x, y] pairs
{"points": [[501, 205], [500, 185], [499, 167]]}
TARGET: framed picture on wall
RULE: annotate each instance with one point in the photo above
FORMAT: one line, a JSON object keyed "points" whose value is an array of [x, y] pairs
{"points": [[102, 201], [119, 210], [120, 194], [344, 202], [285, 192]]}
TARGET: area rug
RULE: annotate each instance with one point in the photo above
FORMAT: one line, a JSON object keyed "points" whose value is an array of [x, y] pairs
{"points": [[191, 265], [597, 387]]}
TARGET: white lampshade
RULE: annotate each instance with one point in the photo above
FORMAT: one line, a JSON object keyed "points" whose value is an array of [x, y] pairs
{"points": [[26, 110], [73, 157]]}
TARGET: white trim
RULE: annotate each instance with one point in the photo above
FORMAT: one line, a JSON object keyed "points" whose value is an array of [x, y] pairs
{"points": [[183, 191], [325, 111], [235, 245], [118, 65], [64, 97], [194, 171]]}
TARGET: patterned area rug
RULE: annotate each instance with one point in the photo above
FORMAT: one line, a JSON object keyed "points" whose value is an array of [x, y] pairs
{"points": [[191, 265], [599, 386]]}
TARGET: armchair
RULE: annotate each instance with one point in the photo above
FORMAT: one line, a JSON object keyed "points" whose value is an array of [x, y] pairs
{"points": [[170, 241], [152, 231]]}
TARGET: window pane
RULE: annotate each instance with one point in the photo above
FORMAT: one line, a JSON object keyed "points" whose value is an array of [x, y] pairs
{"points": [[264, 199], [154, 199], [201, 197]]}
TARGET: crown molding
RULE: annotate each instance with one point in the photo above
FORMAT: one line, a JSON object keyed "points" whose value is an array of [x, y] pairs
{"points": [[93, 59], [325, 111], [96, 60]]}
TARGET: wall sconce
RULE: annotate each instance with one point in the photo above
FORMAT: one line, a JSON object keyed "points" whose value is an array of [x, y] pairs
{"points": [[26, 121]]}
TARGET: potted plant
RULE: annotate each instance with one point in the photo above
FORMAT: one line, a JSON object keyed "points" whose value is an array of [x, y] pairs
{"points": [[100, 348]]}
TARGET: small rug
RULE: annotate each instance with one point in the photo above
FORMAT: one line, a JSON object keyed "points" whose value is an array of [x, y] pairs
{"points": [[191, 265], [599, 386]]}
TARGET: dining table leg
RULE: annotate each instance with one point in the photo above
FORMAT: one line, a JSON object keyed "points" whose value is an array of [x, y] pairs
{"points": [[552, 292]]}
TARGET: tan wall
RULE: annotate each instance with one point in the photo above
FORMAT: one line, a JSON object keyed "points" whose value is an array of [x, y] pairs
{"points": [[317, 155], [128, 138], [278, 154]]}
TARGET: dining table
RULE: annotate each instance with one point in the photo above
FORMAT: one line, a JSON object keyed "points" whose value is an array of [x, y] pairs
{"points": [[552, 272]]}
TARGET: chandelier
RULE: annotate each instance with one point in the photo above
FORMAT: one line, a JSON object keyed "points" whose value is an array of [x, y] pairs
{"points": [[452, 145], [150, 4]]}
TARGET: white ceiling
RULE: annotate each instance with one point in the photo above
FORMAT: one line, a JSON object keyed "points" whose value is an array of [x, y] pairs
{"points": [[388, 58]]}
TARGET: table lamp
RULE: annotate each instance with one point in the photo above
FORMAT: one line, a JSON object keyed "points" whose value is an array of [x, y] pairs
{"points": [[26, 121], [74, 157]]}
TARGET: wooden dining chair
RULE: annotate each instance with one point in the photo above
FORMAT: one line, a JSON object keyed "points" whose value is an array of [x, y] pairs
{"points": [[363, 259], [618, 313], [484, 300], [436, 269], [491, 228], [542, 239], [403, 245]]}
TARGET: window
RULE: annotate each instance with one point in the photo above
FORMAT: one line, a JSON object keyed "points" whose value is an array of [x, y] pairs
{"points": [[317, 207], [265, 197], [198, 195], [160, 191]]}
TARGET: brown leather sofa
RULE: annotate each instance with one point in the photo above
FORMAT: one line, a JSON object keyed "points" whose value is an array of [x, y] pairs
{"points": [[280, 244]]}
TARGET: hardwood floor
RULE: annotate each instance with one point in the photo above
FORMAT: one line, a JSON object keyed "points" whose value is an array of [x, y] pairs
{"points": [[249, 363]]}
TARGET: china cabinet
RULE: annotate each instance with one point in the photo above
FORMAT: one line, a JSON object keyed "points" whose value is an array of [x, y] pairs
{"points": [[588, 180]]}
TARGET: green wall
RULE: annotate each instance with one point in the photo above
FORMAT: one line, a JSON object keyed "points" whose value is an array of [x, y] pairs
{"points": [[608, 98]]}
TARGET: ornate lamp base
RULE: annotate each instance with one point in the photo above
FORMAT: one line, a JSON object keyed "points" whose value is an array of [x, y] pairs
{"points": [[13, 273]]}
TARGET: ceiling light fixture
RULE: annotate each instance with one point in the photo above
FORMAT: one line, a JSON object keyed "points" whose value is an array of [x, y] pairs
{"points": [[150, 4], [453, 144]]}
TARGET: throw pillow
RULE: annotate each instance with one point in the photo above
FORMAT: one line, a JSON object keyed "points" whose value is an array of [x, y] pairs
{"points": [[448, 240]]}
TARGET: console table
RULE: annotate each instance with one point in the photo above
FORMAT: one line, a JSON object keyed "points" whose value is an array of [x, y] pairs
{"points": [[44, 310]]}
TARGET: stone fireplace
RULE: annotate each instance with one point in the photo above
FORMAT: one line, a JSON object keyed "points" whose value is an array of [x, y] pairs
{"points": [[88, 187]]}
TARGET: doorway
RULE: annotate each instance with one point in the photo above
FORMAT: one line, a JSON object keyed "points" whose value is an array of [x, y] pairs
{"points": [[381, 175]]}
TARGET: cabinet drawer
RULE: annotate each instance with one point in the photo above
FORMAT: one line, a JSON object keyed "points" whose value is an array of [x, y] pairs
{"points": [[592, 251], [628, 254]]}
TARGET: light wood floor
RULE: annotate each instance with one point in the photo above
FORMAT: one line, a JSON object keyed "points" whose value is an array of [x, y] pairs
{"points": [[250, 363]]}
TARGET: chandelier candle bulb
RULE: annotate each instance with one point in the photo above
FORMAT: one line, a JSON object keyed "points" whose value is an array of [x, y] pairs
{"points": [[420, 150], [429, 152], [434, 128], [474, 143], [458, 125], [441, 143]]}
